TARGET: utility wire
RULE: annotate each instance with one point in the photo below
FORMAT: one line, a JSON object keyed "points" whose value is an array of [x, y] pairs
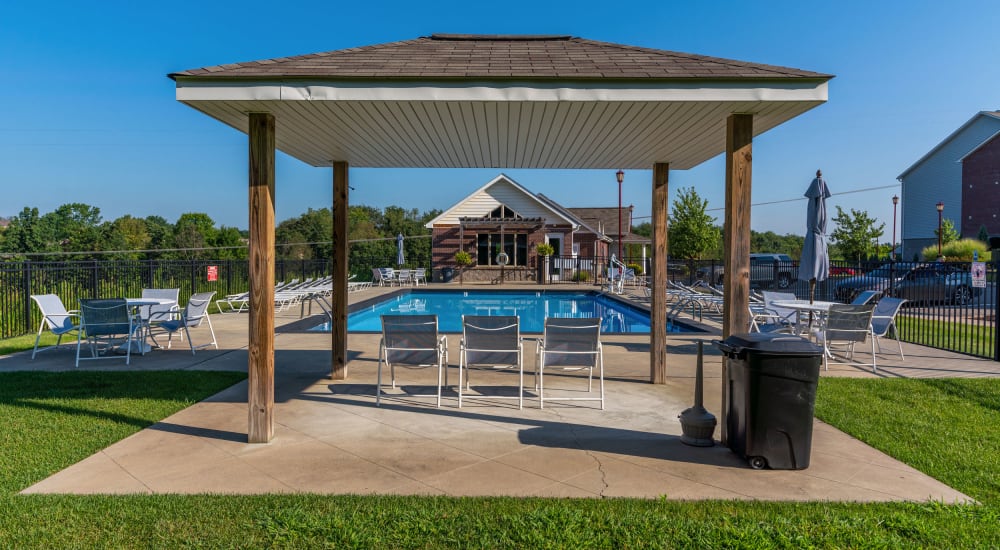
{"points": [[191, 249], [864, 190]]}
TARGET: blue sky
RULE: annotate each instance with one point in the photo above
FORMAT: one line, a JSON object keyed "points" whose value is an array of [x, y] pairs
{"points": [[90, 116]]}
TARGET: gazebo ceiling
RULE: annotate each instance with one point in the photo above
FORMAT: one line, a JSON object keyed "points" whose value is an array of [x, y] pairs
{"points": [[459, 101]]}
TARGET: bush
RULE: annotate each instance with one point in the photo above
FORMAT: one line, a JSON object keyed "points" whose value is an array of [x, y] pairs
{"points": [[463, 258], [581, 276], [636, 268], [958, 251], [545, 249]]}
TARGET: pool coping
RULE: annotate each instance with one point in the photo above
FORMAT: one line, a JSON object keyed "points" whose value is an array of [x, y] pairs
{"points": [[303, 325]]}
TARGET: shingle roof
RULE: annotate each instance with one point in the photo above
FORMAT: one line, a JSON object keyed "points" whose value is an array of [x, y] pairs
{"points": [[501, 56], [605, 219]]}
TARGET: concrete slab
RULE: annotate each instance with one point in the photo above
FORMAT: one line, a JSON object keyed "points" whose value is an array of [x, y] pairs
{"points": [[331, 438]]}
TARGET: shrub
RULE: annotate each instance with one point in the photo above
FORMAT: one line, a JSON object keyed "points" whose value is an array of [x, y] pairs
{"points": [[545, 249], [463, 258], [958, 251], [636, 268], [581, 276]]}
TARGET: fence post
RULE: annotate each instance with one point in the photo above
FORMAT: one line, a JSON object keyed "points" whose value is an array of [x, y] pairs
{"points": [[26, 270], [93, 280], [996, 300]]}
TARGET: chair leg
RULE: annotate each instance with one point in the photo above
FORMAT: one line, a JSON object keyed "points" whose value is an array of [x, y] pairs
{"points": [[461, 366], [874, 356], [378, 377], [520, 381], [190, 341], [600, 357], [38, 338], [441, 366]]}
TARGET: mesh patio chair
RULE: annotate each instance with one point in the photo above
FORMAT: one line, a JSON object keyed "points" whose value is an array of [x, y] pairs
{"points": [[864, 297], [153, 315], [108, 323], [570, 344], [783, 315], [56, 317], [846, 326], [419, 275], [884, 321], [411, 341], [194, 314], [490, 342]]}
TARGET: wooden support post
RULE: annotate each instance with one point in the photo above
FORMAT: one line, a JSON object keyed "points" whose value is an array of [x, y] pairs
{"points": [[658, 306], [736, 239], [338, 321], [260, 397]]}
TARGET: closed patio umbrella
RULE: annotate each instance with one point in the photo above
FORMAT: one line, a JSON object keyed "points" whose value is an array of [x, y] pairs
{"points": [[400, 260], [815, 262]]}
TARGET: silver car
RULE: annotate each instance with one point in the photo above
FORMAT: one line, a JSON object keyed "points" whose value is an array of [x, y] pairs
{"points": [[937, 284]]}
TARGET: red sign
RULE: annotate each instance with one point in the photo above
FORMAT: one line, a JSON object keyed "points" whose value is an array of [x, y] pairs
{"points": [[213, 273]]}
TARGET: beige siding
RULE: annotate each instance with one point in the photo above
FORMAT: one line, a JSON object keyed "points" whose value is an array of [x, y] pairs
{"points": [[501, 192]]}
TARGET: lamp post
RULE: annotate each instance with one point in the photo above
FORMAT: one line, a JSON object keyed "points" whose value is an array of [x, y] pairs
{"points": [[895, 201], [620, 175], [940, 209]]}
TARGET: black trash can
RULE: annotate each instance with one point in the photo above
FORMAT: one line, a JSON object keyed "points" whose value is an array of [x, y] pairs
{"points": [[447, 274], [772, 394]]}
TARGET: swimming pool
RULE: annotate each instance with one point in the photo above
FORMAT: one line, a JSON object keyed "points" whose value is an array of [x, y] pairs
{"points": [[532, 307]]}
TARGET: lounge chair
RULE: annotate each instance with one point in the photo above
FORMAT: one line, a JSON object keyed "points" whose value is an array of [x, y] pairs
{"points": [[491, 342], [865, 297], [194, 314], [411, 341], [56, 317], [570, 344], [109, 323]]}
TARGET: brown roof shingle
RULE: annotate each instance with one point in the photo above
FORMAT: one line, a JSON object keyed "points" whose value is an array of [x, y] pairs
{"points": [[502, 56]]}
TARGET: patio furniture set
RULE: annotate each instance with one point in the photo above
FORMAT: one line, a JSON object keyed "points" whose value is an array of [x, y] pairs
{"points": [[114, 328], [387, 276], [836, 326], [493, 343]]}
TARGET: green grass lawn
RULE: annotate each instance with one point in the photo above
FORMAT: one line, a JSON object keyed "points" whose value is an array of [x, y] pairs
{"points": [[27, 342], [55, 419], [953, 336]]}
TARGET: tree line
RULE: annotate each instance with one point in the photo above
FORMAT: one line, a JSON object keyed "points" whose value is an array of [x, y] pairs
{"points": [[77, 231]]}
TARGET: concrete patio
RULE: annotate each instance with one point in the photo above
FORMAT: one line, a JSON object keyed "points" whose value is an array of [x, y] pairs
{"points": [[330, 438]]}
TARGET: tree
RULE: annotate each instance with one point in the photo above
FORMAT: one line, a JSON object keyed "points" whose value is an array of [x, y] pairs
{"points": [[25, 234], [856, 234], [984, 234], [74, 227], [948, 232], [691, 231], [194, 230]]}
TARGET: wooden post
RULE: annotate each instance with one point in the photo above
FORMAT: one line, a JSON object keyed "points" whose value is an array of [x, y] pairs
{"points": [[658, 306], [338, 321], [736, 239], [260, 397]]}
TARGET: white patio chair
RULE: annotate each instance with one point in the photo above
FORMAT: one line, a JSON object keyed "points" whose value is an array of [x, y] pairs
{"points": [[884, 321], [419, 275], [492, 342], [846, 326], [56, 317], [403, 277], [411, 341], [570, 344], [107, 322], [784, 315], [194, 314], [153, 315]]}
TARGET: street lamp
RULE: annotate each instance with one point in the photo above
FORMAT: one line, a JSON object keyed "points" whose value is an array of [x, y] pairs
{"points": [[620, 175], [940, 209], [895, 201]]}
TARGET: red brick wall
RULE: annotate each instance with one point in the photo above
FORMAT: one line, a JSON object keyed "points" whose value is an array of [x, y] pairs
{"points": [[981, 190]]}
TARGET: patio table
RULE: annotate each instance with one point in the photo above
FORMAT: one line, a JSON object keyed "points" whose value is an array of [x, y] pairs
{"points": [[136, 304], [818, 306]]}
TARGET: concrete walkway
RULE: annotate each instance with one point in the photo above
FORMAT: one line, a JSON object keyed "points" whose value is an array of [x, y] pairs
{"points": [[330, 438]]}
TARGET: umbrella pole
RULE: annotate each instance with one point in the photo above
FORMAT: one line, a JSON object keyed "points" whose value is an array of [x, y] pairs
{"points": [[812, 296]]}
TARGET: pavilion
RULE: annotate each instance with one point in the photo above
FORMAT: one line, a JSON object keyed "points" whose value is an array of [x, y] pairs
{"points": [[474, 101]]}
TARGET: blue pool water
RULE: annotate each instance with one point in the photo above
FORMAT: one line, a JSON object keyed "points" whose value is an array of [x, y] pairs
{"points": [[532, 307]]}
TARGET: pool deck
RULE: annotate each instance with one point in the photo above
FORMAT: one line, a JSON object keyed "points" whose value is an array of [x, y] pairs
{"points": [[331, 439]]}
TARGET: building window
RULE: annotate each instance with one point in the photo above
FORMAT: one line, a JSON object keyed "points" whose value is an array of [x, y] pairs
{"points": [[488, 246], [504, 212]]}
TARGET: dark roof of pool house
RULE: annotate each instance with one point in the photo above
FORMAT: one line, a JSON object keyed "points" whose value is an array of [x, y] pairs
{"points": [[501, 56]]}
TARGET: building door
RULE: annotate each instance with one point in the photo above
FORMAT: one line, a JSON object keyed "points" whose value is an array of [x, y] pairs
{"points": [[555, 265]]}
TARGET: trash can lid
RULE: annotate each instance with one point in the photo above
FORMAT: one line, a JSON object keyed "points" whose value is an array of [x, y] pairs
{"points": [[769, 342]]}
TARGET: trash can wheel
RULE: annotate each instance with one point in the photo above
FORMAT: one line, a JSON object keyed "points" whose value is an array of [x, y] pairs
{"points": [[758, 462]]}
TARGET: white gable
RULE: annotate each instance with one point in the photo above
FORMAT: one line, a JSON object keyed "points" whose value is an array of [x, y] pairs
{"points": [[501, 190]]}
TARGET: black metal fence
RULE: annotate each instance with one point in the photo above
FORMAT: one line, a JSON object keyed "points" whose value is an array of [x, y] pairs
{"points": [[947, 306], [74, 280]]}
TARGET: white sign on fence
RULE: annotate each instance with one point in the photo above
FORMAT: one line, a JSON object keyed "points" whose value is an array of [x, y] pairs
{"points": [[978, 274]]}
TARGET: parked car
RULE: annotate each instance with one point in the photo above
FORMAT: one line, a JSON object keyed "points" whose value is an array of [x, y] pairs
{"points": [[937, 283], [836, 270], [766, 270], [881, 278]]}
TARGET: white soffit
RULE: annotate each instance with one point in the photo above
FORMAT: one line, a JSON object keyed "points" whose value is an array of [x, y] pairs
{"points": [[502, 125]]}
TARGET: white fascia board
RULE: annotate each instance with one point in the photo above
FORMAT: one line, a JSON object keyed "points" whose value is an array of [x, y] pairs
{"points": [[446, 213], [199, 89]]}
